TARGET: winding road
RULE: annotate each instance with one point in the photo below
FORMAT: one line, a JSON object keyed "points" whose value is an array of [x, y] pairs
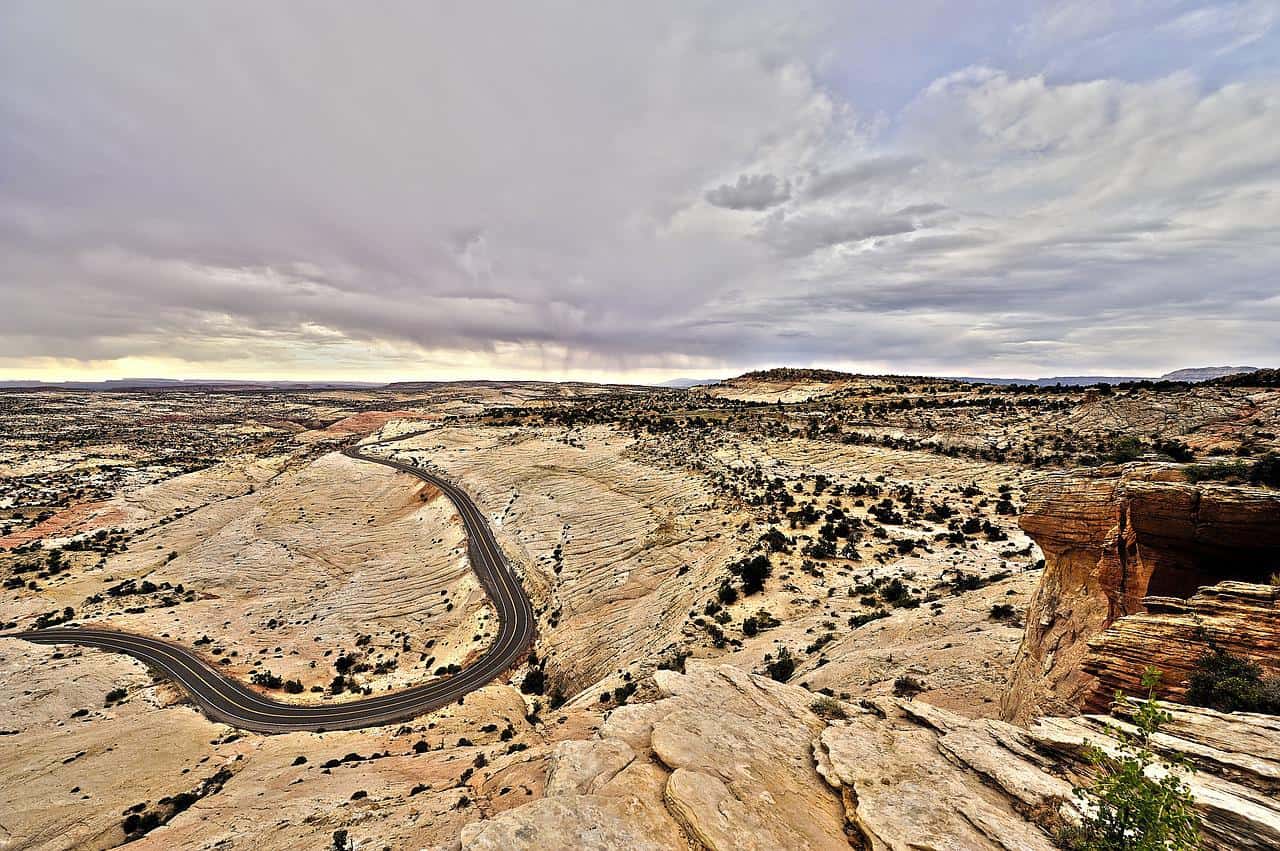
{"points": [[226, 700]]}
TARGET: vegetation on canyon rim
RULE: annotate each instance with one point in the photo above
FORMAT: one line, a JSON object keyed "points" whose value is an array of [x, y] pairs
{"points": [[1138, 801]]}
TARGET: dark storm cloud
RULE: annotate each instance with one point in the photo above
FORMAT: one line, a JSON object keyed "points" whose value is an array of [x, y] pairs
{"points": [[751, 192]]}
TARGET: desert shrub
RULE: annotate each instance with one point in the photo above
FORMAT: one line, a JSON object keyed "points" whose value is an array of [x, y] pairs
{"points": [[265, 679], [1266, 471], [865, 618], [782, 667], [1216, 471], [753, 572], [828, 707], [1125, 808], [674, 662], [1230, 683], [758, 622], [895, 592], [1003, 612], [1175, 449], [1128, 448], [534, 682], [907, 686], [775, 540]]}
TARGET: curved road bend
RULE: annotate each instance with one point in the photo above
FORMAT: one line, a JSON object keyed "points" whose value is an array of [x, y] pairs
{"points": [[226, 700]]}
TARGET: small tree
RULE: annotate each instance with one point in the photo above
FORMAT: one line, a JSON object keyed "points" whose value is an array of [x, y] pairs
{"points": [[1137, 802]]}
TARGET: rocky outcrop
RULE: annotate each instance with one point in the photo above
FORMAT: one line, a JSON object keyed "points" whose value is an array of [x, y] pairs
{"points": [[1235, 760], [727, 760], [1241, 618], [1113, 538], [723, 761]]}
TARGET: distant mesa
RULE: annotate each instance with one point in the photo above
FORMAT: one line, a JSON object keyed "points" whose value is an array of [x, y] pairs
{"points": [[1206, 373], [1237, 375], [1191, 375]]}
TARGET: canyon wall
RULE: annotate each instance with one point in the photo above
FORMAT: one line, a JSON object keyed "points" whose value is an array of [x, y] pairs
{"points": [[1112, 538]]}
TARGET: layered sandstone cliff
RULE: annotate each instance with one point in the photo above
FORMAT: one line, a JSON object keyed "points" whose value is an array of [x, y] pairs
{"points": [[1241, 618], [1113, 538]]}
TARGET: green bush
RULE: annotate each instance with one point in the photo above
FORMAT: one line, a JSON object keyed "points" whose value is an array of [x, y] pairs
{"points": [[1003, 612], [1216, 471], [1125, 808], [783, 667], [1127, 448], [1266, 471], [1230, 683], [1175, 449], [828, 707]]}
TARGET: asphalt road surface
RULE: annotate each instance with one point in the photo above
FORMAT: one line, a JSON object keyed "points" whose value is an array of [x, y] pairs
{"points": [[230, 702]]}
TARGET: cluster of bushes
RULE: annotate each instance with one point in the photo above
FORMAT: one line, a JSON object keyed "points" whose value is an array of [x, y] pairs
{"points": [[1265, 471], [760, 621], [781, 667]]}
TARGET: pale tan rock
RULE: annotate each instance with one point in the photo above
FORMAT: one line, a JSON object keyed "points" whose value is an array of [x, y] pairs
{"points": [[902, 792], [587, 822], [583, 768], [1233, 792], [917, 776], [1240, 618]]}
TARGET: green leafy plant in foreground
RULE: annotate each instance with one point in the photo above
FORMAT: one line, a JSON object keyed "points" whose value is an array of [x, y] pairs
{"points": [[1137, 800]]}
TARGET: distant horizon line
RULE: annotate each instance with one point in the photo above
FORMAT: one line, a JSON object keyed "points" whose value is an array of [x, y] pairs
{"points": [[675, 381]]}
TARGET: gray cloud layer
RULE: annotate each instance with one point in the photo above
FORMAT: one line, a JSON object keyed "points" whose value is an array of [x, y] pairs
{"points": [[751, 192], [420, 189]]}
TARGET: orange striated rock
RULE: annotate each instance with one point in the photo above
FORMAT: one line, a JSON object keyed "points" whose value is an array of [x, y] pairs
{"points": [[1241, 618], [1112, 537]]}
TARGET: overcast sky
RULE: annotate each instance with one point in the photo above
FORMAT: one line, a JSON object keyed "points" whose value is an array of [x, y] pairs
{"points": [[637, 190]]}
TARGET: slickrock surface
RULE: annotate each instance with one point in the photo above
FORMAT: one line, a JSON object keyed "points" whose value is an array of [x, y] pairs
{"points": [[638, 545], [1111, 539], [722, 761], [1241, 618], [289, 575], [726, 760], [331, 552], [888, 511], [70, 779], [1206, 417], [778, 386], [915, 776], [1236, 758]]}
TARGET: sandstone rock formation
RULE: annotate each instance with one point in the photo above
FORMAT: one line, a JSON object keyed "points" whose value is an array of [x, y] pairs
{"points": [[727, 760], [1241, 618], [1111, 539], [723, 761]]}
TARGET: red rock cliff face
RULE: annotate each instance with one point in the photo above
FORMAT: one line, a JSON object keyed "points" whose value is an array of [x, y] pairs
{"points": [[1241, 618], [1111, 538]]}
